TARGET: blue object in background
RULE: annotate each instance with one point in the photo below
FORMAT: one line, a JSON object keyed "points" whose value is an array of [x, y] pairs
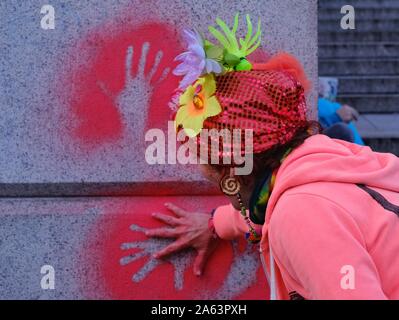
{"points": [[328, 116]]}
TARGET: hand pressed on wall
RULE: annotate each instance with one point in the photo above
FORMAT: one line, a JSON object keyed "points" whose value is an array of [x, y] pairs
{"points": [[235, 281], [147, 248], [190, 229]]}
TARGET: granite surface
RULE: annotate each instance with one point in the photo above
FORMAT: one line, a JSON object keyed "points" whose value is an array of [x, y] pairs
{"points": [[76, 190], [68, 141]]}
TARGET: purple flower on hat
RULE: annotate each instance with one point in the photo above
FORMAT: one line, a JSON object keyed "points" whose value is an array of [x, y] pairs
{"points": [[194, 62]]}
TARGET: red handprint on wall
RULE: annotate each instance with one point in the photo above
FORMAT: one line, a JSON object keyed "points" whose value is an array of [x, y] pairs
{"points": [[126, 88], [128, 270]]}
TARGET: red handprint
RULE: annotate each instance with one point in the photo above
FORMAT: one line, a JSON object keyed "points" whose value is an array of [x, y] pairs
{"points": [[127, 86]]}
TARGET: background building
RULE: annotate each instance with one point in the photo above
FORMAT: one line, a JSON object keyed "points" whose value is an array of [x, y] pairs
{"points": [[366, 62]]}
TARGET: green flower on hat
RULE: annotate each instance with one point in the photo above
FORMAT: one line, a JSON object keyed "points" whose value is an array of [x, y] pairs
{"points": [[236, 50]]}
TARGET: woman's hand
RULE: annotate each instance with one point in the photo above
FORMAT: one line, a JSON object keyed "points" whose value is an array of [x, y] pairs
{"points": [[190, 230], [347, 113]]}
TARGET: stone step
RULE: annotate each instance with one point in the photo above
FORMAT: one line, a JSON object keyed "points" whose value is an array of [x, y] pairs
{"points": [[383, 144], [380, 131], [373, 25], [359, 50], [360, 13], [371, 103], [359, 4], [368, 85], [361, 66], [381, 126], [345, 36]]}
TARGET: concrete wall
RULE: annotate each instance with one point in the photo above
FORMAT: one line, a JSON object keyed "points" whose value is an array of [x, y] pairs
{"points": [[74, 108]]}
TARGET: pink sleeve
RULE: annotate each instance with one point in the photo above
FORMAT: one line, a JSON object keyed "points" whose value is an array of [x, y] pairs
{"points": [[317, 244], [229, 223]]}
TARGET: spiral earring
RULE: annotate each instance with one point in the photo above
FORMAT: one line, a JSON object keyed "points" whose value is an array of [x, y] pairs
{"points": [[229, 185]]}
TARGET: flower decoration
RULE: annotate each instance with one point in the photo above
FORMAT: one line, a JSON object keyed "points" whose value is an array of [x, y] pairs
{"points": [[194, 62], [202, 62], [236, 51], [197, 103]]}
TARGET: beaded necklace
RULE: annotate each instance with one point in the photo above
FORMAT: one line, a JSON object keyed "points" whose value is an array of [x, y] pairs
{"points": [[258, 203]]}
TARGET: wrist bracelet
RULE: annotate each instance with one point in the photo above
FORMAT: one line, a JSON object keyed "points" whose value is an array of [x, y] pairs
{"points": [[211, 226]]}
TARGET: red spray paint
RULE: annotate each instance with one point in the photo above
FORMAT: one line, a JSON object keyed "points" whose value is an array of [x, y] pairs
{"points": [[160, 283], [95, 115]]}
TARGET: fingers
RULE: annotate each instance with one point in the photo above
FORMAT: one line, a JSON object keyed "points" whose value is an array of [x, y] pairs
{"points": [[174, 247], [132, 257], [143, 58], [163, 233], [163, 76], [175, 209], [202, 257], [166, 219], [199, 262], [155, 65], [128, 63]]}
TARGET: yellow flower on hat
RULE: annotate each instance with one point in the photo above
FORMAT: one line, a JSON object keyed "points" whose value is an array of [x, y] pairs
{"points": [[197, 103]]}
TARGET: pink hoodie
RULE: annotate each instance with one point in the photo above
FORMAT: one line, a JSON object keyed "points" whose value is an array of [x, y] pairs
{"points": [[324, 237]]}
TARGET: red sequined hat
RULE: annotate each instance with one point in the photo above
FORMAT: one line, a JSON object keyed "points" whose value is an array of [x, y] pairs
{"points": [[270, 102]]}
